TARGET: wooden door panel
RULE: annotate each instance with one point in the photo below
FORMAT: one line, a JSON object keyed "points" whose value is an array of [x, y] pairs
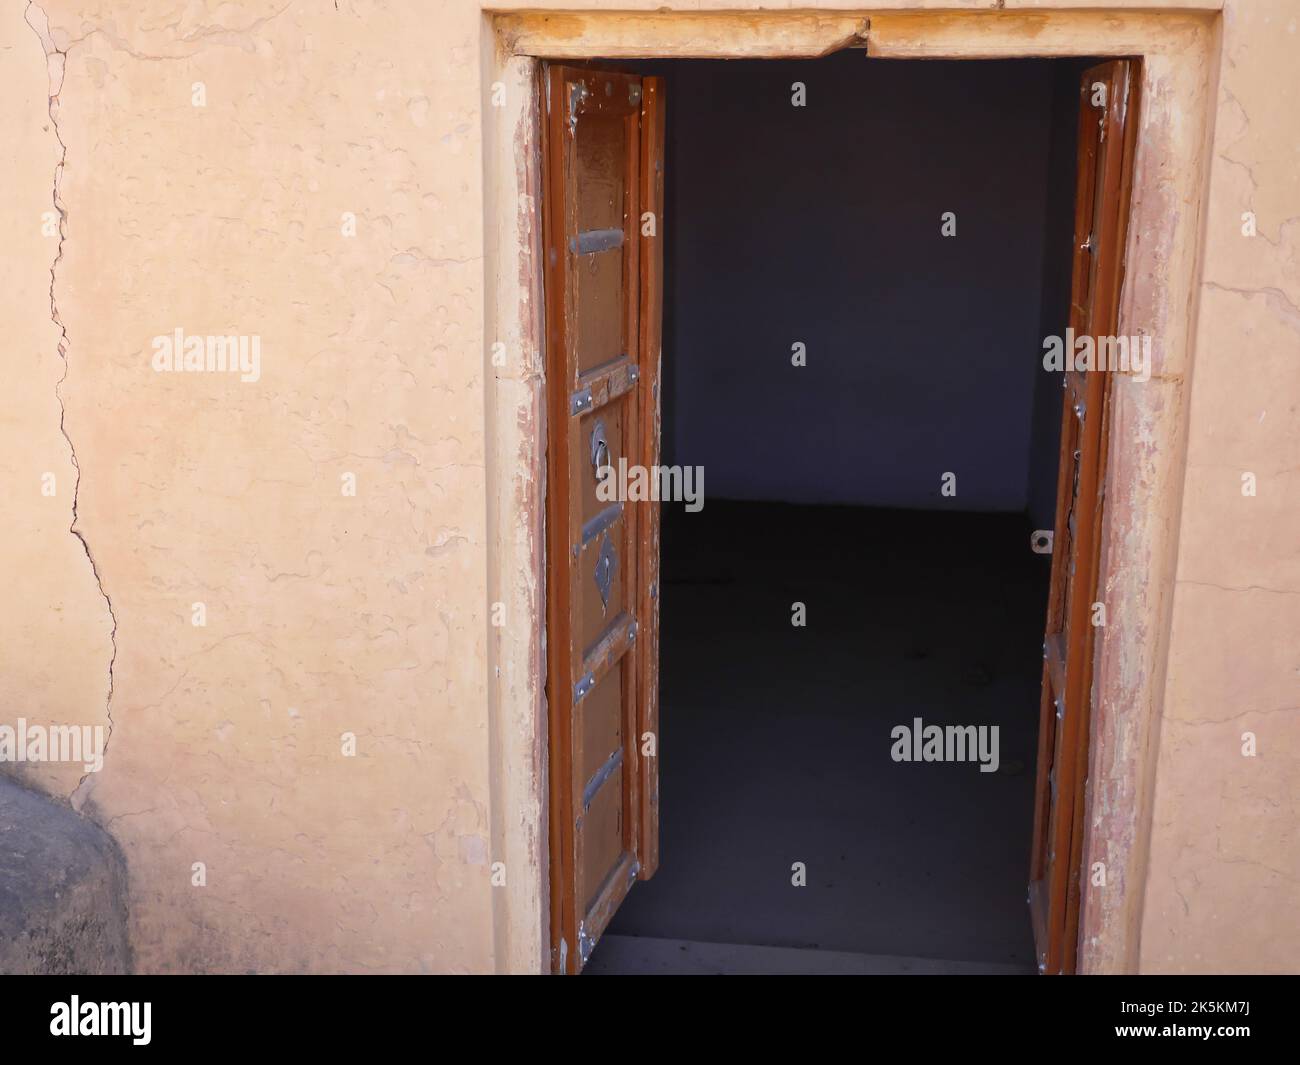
{"points": [[602, 364], [1107, 128], [602, 723], [602, 833], [602, 245]]}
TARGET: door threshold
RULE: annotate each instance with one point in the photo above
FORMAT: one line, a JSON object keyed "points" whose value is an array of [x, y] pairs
{"points": [[645, 956]]}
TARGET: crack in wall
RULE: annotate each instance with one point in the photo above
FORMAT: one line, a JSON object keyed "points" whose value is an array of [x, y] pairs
{"points": [[219, 35], [56, 59]]}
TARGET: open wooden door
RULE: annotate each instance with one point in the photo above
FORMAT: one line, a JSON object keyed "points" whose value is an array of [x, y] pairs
{"points": [[1107, 127], [602, 145]]}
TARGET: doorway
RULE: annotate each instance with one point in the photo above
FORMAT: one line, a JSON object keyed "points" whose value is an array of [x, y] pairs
{"points": [[625, 762], [938, 338], [833, 586]]}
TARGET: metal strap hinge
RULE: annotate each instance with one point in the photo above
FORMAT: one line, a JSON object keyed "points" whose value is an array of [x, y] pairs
{"points": [[580, 401]]}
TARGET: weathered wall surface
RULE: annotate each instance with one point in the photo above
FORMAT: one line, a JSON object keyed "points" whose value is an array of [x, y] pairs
{"points": [[57, 646], [326, 613], [1223, 887], [329, 613]]}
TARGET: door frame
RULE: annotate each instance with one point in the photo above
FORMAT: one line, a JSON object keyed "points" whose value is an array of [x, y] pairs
{"points": [[1179, 51]]}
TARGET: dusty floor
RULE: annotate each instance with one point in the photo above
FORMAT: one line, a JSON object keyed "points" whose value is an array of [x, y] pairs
{"points": [[776, 740]]}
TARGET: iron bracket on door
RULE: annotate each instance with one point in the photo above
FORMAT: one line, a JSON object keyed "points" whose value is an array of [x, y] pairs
{"points": [[586, 941]]}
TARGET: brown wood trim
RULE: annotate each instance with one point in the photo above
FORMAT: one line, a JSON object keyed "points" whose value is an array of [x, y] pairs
{"points": [[1054, 653], [559, 679], [621, 98], [653, 120], [1107, 141], [1124, 106], [1072, 731]]}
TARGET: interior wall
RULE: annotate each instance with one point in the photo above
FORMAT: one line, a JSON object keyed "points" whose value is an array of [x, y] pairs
{"points": [[1054, 313], [821, 224]]}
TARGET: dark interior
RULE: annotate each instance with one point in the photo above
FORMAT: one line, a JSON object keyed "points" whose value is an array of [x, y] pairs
{"points": [[822, 225]]}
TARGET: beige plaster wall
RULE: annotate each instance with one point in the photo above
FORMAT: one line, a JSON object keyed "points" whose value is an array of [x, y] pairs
{"points": [[371, 614], [326, 613], [1223, 887], [57, 628]]}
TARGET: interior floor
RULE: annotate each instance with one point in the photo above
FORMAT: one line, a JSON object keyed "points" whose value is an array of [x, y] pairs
{"points": [[775, 741], [643, 956]]}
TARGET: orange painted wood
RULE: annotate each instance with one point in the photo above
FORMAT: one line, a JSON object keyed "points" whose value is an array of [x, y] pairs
{"points": [[652, 271], [598, 332], [1106, 139]]}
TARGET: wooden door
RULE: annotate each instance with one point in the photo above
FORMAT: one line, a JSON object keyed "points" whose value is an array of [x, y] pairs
{"points": [[1107, 126], [602, 147]]}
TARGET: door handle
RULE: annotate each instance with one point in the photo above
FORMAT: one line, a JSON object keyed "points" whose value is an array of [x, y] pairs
{"points": [[599, 447]]}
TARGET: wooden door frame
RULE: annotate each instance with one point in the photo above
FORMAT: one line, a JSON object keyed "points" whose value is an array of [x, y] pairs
{"points": [[1105, 136], [1180, 54]]}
